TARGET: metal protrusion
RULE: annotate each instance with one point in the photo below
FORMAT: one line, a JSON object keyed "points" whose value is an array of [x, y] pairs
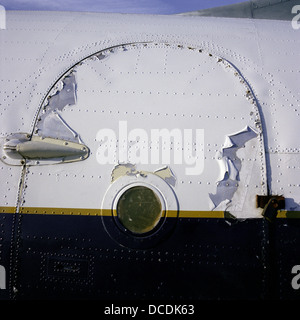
{"points": [[271, 205], [270, 210], [42, 150]]}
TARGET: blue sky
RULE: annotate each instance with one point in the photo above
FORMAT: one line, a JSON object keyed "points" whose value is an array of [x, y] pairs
{"points": [[120, 6]]}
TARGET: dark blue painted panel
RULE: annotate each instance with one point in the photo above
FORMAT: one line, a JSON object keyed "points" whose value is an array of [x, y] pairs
{"points": [[6, 234], [74, 257]]}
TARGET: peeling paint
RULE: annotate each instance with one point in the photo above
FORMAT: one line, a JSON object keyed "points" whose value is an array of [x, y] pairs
{"points": [[50, 123], [53, 126], [230, 166], [52, 139], [100, 56], [130, 170], [166, 174], [123, 170], [65, 96]]}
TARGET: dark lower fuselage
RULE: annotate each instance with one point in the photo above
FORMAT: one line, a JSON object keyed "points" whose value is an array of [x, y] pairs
{"points": [[57, 256]]}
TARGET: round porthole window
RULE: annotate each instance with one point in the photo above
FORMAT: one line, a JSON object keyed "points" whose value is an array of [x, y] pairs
{"points": [[139, 209]]}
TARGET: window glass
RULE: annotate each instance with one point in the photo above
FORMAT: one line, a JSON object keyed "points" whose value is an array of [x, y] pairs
{"points": [[139, 209]]}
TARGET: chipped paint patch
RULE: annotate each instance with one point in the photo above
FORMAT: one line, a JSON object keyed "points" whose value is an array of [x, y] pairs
{"points": [[128, 169], [123, 170], [50, 122], [230, 167], [166, 174]]}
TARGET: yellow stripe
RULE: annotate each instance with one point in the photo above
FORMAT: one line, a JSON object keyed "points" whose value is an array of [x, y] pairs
{"points": [[7, 209], [289, 214], [109, 212], [61, 211], [201, 214]]}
